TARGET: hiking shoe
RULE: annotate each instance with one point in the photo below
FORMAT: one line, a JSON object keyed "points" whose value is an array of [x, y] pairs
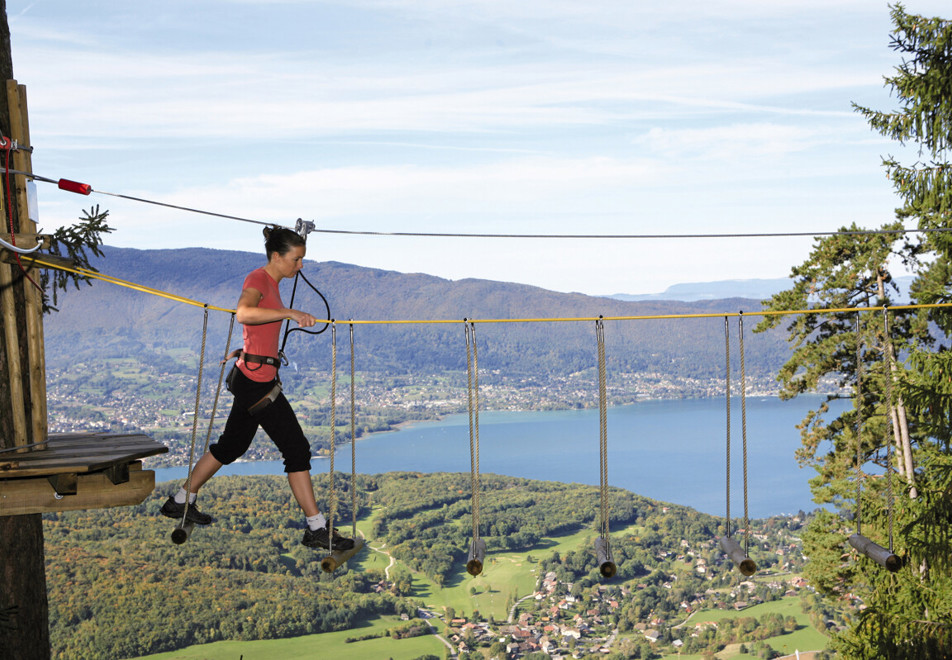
{"points": [[318, 538], [172, 509]]}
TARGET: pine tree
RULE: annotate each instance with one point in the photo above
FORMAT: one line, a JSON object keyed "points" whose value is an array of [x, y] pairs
{"points": [[909, 613], [897, 370]]}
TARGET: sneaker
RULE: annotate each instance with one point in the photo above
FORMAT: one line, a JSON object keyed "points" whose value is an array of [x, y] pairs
{"points": [[172, 509], [318, 538]]}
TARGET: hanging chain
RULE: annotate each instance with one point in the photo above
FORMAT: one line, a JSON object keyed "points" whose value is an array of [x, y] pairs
{"points": [[743, 420], [332, 507], [353, 438], [221, 378], [859, 427], [727, 397], [602, 427], [472, 392], [198, 400], [889, 410], [479, 485]]}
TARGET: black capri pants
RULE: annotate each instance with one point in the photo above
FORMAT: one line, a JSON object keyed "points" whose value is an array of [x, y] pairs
{"points": [[278, 421]]}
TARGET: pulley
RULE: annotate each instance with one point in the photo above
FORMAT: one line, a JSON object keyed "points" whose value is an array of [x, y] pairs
{"points": [[303, 227]]}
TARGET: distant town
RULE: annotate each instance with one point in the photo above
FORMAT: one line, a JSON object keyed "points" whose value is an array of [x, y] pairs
{"points": [[130, 397]]}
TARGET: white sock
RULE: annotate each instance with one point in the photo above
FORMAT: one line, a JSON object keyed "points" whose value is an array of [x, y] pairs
{"points": [[181, 494], [316, 522]]}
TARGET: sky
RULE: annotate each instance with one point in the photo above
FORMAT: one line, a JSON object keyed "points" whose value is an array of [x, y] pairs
{"points": [[469, 116]]}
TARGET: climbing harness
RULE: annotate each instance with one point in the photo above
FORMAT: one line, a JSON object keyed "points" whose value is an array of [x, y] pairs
{"points": [[266, 400], [254, 359], [882, 556], [182, 531], [272, 394], [603, 550], [477, 547], [732, 548]]}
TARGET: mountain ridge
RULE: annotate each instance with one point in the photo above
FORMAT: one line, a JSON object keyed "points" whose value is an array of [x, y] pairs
{"points": [[104, 319], [759, 289]]}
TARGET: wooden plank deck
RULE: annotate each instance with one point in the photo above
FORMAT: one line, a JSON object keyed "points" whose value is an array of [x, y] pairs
{"points": [[77, 471], [78, 453]]}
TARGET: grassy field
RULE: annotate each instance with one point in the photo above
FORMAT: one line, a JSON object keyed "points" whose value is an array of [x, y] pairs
{"points": [[326, 645], [505, 577], [804, 638]]}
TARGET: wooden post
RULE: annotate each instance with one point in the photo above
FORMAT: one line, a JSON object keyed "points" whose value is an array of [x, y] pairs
{"points": [[23, 597], [35, 350], [11, 342]]}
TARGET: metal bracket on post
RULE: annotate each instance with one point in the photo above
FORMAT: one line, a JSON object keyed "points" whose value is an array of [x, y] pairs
{"points": [[64, 484]]}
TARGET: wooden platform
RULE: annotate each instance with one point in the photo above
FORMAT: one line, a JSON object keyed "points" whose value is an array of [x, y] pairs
{"points": [[77, 471]]}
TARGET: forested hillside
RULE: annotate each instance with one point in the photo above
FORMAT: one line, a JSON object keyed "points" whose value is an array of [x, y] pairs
{"points": [[107, 320], [119, 588]]}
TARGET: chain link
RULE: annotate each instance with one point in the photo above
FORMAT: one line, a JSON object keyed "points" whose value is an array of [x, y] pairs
{"points": [[198, 400], [472, 394], [332, 507], [743, 420], [602, 428], [859, 427], [353, 437], [887, 361], [727, 392]]}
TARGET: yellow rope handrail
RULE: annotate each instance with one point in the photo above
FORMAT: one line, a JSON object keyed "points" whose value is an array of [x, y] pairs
{"points": [[84, 272], [564, 319]]}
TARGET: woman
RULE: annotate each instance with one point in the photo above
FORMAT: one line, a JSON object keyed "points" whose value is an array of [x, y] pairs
{"points": [[258, 397]]}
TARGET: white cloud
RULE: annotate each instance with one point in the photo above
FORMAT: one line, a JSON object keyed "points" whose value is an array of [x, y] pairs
{"points": [[737, 141], [418, 115]]}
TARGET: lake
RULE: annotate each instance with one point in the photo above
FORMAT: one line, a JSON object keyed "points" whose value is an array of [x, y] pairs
{"points": [[669, 450]]}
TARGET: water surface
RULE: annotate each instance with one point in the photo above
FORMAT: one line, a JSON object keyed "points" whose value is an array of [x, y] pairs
{"points": [[670, 450]]}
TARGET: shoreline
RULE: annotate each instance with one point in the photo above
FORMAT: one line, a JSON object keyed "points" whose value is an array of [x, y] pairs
{"points": [[441, 418]]}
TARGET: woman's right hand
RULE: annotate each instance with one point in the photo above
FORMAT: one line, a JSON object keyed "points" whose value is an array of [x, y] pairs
{"points": [[303, 319]]}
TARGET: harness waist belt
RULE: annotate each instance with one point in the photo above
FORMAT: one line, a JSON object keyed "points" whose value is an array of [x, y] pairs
{"points": [[253, 359]]}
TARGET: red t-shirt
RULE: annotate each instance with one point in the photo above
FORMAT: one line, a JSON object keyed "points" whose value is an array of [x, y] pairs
{"points": [[262, 339]]}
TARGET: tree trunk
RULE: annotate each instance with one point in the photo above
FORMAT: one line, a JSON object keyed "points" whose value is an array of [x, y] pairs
{"points": [[897, 410], [24, 613], [905, 445]]}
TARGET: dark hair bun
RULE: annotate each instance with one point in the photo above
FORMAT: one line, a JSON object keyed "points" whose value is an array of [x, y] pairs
{"points": [[281, 240]]}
